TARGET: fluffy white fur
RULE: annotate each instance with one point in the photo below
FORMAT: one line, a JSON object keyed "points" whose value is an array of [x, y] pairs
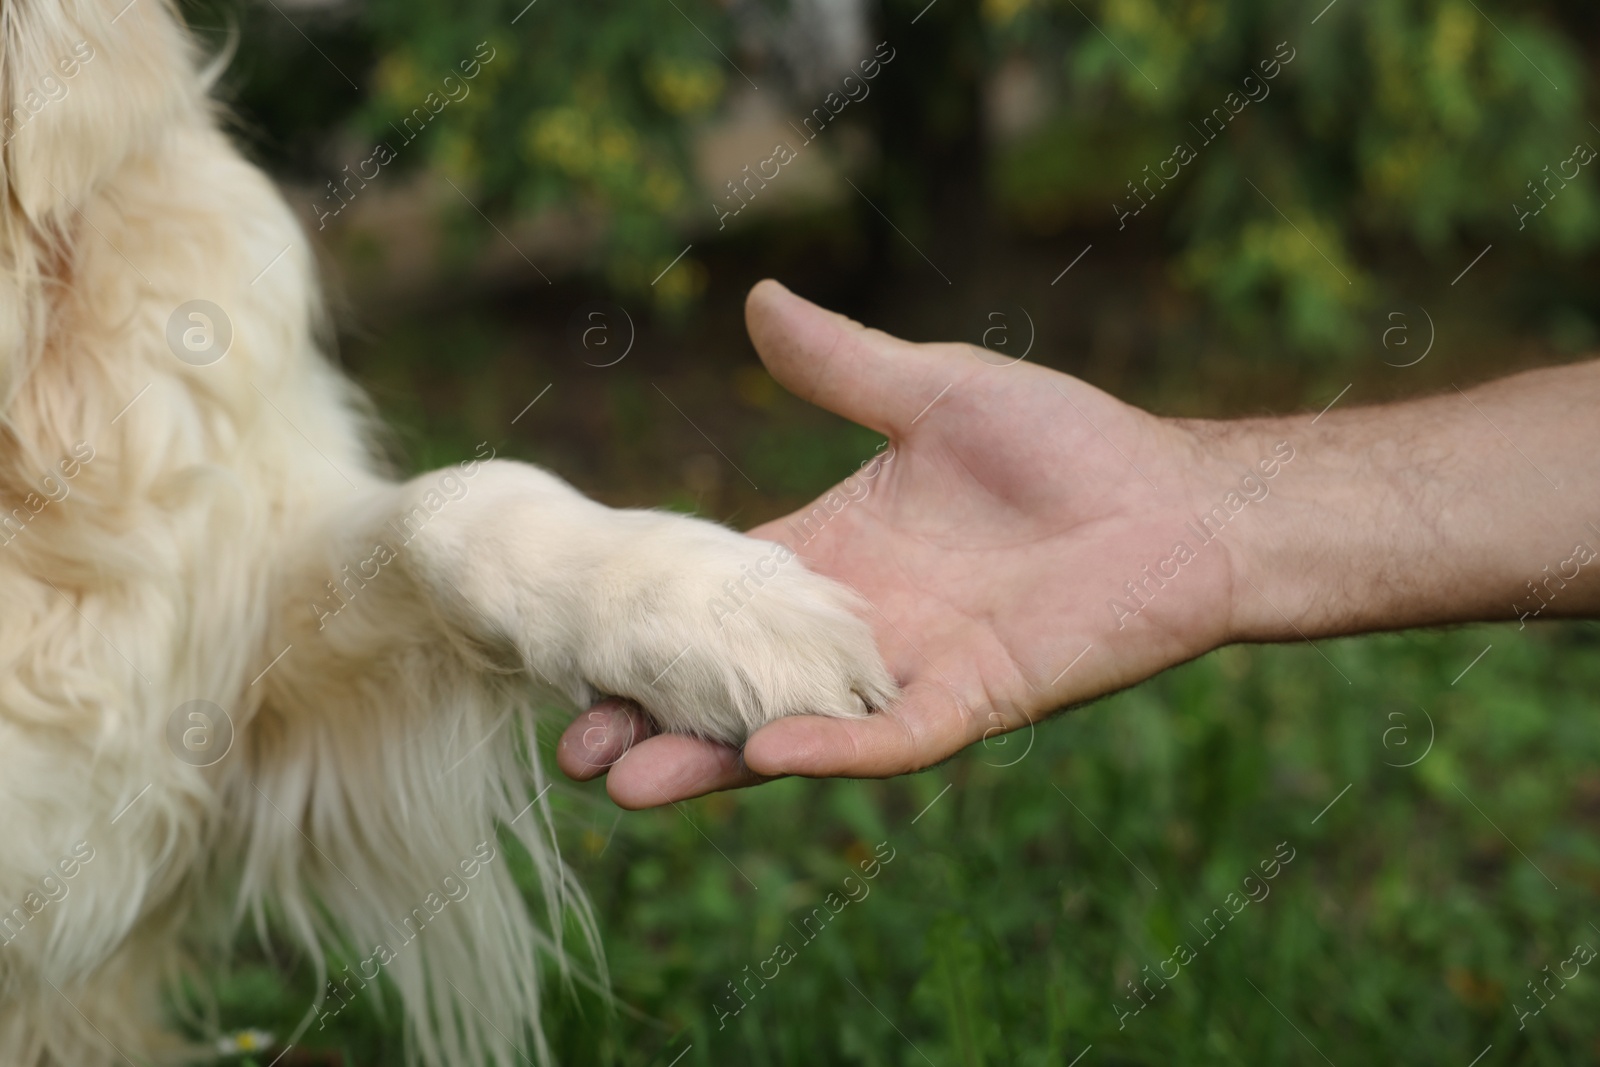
{"points": [[199, 542]]}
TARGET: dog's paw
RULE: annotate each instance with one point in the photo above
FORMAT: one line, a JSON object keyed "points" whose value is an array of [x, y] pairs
{"points": [[716, 634]]}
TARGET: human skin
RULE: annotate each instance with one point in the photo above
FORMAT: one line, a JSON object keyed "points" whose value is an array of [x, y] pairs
{"points": [[1019, 504]]}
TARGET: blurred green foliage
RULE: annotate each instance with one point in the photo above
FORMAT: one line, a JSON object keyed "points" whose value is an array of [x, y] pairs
{"points": [[1400, 126], [584, 107], [1399, 131]]}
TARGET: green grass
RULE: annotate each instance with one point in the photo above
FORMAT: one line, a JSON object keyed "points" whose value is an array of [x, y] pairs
{"points": [[1015, 909]]}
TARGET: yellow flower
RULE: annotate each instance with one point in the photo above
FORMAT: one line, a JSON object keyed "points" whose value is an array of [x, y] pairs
{"points": [[686, 280], [1139, 16], [397, 77], [1001, 12], [662, 188], [684, 88], [456, 155], [562, 136], [616, 146], [244, 1041], [1453, 38]]}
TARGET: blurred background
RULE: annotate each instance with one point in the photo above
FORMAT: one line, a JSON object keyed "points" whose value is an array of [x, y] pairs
{"points": [[538, 222]]}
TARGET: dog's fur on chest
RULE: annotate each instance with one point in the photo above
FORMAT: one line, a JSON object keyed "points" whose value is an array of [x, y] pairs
{"points": [[180, 530]]}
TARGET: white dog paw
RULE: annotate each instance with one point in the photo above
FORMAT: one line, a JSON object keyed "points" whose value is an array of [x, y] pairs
{"points": [[716, 634], [711, 632]]}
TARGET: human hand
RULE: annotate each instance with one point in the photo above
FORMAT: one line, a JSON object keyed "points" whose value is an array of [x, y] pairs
{"points": [[1014, 506]]}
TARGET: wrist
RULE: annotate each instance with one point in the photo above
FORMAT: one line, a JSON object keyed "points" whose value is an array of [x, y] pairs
{"points": [[1242, 471]]}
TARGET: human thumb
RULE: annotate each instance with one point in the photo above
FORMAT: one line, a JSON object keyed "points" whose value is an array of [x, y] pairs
{"points": [[836, 363]]}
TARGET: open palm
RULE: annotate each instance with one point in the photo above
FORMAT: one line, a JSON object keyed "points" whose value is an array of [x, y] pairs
{"points": [[1012, 507]]}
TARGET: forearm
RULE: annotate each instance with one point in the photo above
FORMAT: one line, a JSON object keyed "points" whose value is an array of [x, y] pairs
{"points": [[1482, 505]]}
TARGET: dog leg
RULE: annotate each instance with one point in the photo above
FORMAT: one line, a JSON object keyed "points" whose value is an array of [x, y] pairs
{"points": [[391, 730], [713, 633]]}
